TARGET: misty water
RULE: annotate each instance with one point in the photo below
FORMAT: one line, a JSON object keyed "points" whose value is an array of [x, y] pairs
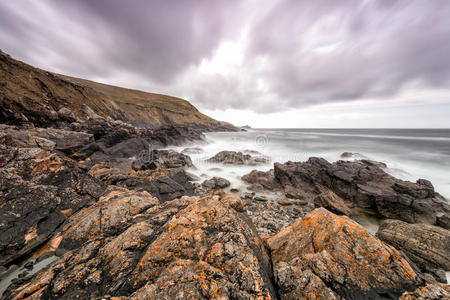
{"points": [[410, 154]]}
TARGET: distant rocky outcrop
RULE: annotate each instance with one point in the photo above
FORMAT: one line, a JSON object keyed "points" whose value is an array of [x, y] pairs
{"points": [[238, 158]]}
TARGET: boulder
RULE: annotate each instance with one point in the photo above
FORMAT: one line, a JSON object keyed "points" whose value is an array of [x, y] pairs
{"points": [[325, 256], [260, 180], [162, 159], [332, 202], [238, 158], [215, 183], [366, 185], [187, 248], [426, 245]]}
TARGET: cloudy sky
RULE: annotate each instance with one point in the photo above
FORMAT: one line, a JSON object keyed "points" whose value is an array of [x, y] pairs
{"points": [[287, 63]]}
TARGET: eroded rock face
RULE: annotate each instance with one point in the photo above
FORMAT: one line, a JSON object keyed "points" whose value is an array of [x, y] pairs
{"points": [[38, 191], [324, 256], [190, 247], [163, 159], [427, 246], [238, 158], [429, 292], [365, 185]]}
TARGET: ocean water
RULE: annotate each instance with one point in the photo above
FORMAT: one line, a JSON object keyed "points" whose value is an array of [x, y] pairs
{"points": [[410, 154]]}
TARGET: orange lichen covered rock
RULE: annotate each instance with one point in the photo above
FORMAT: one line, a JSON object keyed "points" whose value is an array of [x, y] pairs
{"points": [[429, 292], [324, 256], [187, 248]]}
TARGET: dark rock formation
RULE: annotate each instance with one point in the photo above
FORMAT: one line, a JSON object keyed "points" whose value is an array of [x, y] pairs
{"points": [[260, 180], [332, 202], [38, 191], [215, 183], [162, 159], [365, 185], [194, 247], [429, 292], [323, 256], [238, 158], [427, 246]]}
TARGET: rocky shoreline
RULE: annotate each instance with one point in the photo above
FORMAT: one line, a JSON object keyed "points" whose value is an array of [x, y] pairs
{"points": [[123, 219]]}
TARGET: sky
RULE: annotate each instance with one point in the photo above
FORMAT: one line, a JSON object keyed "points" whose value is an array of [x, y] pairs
{"points": [[286, 63]]}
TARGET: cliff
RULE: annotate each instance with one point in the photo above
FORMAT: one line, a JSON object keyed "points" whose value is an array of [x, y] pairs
{"points": [[29, 94]]}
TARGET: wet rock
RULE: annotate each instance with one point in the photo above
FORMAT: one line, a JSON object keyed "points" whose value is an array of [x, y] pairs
{"points": [[38, 191], [215, 183], [366, 185], [428, 292], [186, 248], [427, 246], [260, 180], [29, 265], [162, 159], [332, 202], [325, 256], [238, 158]]}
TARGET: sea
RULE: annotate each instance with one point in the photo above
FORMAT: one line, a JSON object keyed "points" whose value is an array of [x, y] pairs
{"points": [[409, 154]]}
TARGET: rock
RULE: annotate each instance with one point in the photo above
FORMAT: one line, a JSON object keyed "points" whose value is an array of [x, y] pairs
{"points": [[324, 256], [352, 155], [332, 202], [426, 245], [191, 247], [285, 202], [162, 159], [29, 265], [215, 183], [428, 292], [262, 180], [237, 158], [260, 198], [366, 185], [67, 115], [192, 177], [164, 184], [38, 191]]}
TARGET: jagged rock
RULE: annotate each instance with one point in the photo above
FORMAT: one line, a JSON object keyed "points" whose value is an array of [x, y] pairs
{"points": [[38, 191], [191, 247], [162, 159], [215, 183], [66, 115], [428, 292], [324, 256], [332, 202], [365, 185], [426, 245], [238, 158], [165, 184], [260, 180]]}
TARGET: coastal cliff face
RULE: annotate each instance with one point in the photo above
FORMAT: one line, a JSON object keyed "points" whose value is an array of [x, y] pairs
{"points": [[29, 94]]}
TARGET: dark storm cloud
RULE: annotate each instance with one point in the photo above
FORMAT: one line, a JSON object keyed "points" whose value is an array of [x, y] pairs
{"points": [[295, 52]]}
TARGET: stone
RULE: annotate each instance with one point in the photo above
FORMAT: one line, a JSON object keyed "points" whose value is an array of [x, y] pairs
{"points": [[162, 159], [238, 158], [332, 202], [325, 256], [426, 245], [215, 183]]}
